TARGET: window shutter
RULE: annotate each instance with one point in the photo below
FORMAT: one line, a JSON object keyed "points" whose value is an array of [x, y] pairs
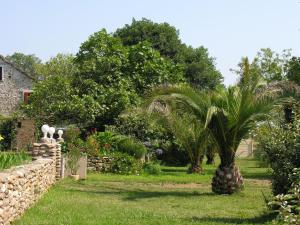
{"points": [[26, 97]]}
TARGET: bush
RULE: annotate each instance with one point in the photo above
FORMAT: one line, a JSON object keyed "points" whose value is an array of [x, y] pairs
{"points": [[107, 141], [8, 132], [132, 147], [279, 147], [287, 206], [152, 168], [153, 135], [125, 164], [9, 159]]}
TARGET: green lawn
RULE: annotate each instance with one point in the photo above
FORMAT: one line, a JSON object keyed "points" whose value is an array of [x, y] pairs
{"points": [[171, 198]]}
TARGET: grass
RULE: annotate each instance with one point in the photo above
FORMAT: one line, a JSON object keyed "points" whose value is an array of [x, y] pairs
{"points": [[9, 159], [173, 197]]}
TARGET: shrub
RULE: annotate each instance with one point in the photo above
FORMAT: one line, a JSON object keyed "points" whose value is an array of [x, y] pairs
{"points": [[9, 159], [153, 135], [279, 147], [125, 164], [288, 206], [107, 141], [152, 168], [132, 147], [92, 146], [74, 155], [8, 132]]}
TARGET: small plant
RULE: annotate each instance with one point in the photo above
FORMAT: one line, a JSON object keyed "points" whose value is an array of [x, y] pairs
{"points": [[9, 159], [73, 156], [287, 206], [92, 146], [125, 164], [152, 168], [132, 147], [107, 141]]}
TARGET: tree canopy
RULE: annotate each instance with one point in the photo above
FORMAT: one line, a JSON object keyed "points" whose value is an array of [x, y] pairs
{"points": [[199, 68]]}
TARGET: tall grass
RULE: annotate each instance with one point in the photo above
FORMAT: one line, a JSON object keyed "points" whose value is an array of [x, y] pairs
{"points": [[9, 159]]}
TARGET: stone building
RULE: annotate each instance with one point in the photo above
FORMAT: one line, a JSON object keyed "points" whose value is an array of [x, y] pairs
{"points": [[15, 87]]}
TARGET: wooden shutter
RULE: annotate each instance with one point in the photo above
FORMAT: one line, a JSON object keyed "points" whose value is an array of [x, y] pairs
{"points": [[26, 97]]}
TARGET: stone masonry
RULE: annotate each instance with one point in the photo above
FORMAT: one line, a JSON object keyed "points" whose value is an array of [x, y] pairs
{"points": [[21, 186], [98, 164], [12, 86]]}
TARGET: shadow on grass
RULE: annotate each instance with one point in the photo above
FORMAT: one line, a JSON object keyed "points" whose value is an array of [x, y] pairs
{"points": [[133, 195], [258, 176], [222, 220]]}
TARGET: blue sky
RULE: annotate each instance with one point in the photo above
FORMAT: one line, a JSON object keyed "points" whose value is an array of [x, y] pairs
{"points": [[229, 29]]}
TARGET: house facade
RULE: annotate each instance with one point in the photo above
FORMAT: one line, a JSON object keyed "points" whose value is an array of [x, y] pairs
{"points": [[15, 87]]}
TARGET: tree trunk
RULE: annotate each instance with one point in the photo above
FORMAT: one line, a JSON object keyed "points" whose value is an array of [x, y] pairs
{"points": [[227, 180], [210, 158], [196, 166]]}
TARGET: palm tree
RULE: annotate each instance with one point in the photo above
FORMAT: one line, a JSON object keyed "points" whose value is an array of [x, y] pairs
{"points": [[183, 111], [233, 113]]}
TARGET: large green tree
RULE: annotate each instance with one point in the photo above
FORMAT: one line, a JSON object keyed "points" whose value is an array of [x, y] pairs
{"points": [[199, 67], [59, 65], [115, 76], [56, 101], [293, 70], [162, 36], [270, 66], [147, 69]]}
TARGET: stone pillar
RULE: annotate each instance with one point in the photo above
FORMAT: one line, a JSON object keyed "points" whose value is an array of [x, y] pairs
{"points": [[48, 150], [58, 162]]}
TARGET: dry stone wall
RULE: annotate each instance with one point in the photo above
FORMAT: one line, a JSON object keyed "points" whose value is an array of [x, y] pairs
{"points": [[23, 185], [98, 164]]}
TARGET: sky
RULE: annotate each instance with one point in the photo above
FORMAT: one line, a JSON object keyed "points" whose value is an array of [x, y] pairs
{"points": [[229, 29]]}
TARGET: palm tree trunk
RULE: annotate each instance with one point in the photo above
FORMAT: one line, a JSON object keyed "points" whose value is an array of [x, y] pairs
{"points": [[210, 156], [196, 166], [227, 179]]}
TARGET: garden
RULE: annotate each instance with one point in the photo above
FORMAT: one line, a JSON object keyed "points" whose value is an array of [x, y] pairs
{"points": [[161, 132]]}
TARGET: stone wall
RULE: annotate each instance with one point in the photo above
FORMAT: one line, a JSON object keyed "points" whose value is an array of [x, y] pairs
{"points": [[11, 88], [98, 164], [23, 185]]}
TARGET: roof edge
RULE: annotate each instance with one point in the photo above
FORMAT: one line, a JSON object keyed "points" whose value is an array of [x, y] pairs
{"points": [[17, 68]]}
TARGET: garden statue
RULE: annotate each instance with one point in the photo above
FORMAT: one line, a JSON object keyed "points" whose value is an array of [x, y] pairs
{"points": [[60, 133], [45, 130]]}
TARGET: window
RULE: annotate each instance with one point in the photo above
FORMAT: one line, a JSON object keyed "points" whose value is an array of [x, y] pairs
{"points": [[1, 73], [26, 95]]}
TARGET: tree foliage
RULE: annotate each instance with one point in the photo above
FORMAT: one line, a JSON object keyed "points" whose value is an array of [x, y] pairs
{"points": [[59, 65], [27, 63], [183, 111], [55, 101], [199, 67], [269, 65], [162, 36], [293, 73]]}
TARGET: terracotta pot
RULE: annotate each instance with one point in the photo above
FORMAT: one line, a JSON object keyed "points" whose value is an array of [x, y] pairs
{"points": [[75, 177]]}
